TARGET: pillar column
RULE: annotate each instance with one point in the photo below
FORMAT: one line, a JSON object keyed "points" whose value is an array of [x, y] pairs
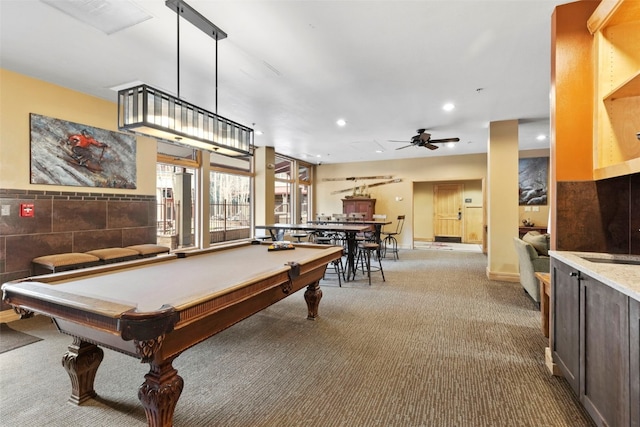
{"points": [[502, 200]]}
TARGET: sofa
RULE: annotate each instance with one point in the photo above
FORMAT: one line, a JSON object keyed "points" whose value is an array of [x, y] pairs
{"points": [[533, 257]]}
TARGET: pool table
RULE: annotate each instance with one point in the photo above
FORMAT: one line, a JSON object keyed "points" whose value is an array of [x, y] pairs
{"points": [[153, 309]]}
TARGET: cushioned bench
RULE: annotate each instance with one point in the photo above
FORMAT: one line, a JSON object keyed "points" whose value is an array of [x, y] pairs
{"points": [[111, 255], [63, 262], [149, 249], [74, 260]]}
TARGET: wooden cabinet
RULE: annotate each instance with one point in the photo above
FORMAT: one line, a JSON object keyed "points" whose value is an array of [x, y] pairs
{"points": [[634, 363], [565, 331], [615, 25], [595, 340], [604, 373], [365, 206]]}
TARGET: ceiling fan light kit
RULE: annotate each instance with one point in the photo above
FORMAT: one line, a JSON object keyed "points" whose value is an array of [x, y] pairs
{"points": [[423, 139]]}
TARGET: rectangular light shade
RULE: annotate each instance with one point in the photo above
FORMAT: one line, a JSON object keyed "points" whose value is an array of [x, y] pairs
{"points": [[148, 111]]}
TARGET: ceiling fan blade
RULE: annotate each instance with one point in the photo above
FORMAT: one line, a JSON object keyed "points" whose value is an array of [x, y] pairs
{"points": [[431, 146], [395, 140], [404, 147], [444, 140]]}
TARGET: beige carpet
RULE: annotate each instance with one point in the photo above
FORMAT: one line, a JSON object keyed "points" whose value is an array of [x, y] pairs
{"points": [[437, 344], [448, 246]]}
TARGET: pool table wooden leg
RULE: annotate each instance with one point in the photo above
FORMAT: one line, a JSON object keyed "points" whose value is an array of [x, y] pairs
{"points": [[160, 392], [312, 296], [81, 362]]}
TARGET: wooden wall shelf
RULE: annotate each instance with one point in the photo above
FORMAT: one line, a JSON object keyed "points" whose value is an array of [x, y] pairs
{"points": [[615, 25], [620, 169], [628, 88]]}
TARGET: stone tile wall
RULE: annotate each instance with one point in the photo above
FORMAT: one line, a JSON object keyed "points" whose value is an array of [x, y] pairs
{"points": [[599, 216], [66, 221]]}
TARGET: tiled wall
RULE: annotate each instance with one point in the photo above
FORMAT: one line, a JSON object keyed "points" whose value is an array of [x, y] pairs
{"points": [[599, 216], [66, 221]]}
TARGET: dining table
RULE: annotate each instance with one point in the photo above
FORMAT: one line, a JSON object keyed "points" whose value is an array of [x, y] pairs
{"points": [[350, 232], [376, 224]]}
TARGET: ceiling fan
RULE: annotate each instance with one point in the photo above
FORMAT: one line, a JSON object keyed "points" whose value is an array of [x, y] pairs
{"points": [[423, 139]]}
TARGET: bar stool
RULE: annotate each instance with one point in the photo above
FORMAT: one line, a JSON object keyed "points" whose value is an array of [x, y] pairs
{"points": [[337, 263], [390, 243], [299, 236], [364, 257]]}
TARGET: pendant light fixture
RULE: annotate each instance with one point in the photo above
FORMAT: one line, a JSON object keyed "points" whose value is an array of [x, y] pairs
{"points": [[148, 111]]}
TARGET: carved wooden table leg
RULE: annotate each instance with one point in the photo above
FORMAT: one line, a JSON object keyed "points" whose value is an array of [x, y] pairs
{"points": [[81, 362], [160, 392], [312, 296]]}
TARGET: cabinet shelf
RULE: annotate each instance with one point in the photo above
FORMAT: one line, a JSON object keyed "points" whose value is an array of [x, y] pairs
{"points": [[629, 88], [615, 25], [619, 169]]}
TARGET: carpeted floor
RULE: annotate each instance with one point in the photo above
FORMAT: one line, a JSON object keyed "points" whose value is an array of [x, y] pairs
{"points": [[10, 339], [448, 246], [437, 344]]}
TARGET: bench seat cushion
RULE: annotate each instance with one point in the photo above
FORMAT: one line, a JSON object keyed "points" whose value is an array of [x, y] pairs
{"points": [[114, 254], [53, 262], [149, 249]]}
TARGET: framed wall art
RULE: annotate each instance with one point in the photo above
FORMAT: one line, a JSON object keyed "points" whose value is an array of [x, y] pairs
{"points": [[533, 176], [67, 153]]}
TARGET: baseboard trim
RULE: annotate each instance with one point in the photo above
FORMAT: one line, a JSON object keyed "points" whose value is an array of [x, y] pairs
{"points": [[503, 277]]}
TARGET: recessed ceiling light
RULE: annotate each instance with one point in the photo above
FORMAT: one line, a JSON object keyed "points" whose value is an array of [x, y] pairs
{"points": [[448, 106], [379, 151], [341, 122], [451, 144], [258, 132], [541, 137]]}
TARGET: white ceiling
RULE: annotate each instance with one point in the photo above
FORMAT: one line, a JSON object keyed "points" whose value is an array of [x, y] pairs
{"points": [[292, 68]]}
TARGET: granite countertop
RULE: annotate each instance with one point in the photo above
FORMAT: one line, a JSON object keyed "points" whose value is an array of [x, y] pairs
{"points": [[623, 277]]}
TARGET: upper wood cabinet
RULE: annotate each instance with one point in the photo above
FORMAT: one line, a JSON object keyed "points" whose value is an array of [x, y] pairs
{"points": [[615, 25], [364, 206]]}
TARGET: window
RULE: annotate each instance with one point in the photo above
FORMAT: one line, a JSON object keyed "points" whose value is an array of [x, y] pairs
{"points": [[175, 224], [304, 193], [292, 206], [228, 200], [230, 207]]}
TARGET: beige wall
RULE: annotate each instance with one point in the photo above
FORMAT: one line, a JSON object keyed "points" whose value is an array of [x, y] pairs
{"points": [[22, 95], [397, 198]]}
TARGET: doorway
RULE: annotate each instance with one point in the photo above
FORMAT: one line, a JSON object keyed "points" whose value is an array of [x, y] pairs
{"points": [[448, 211]]}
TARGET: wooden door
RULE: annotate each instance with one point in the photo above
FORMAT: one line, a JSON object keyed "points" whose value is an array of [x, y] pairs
{"points": [[447, 211], [472, 224]]}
